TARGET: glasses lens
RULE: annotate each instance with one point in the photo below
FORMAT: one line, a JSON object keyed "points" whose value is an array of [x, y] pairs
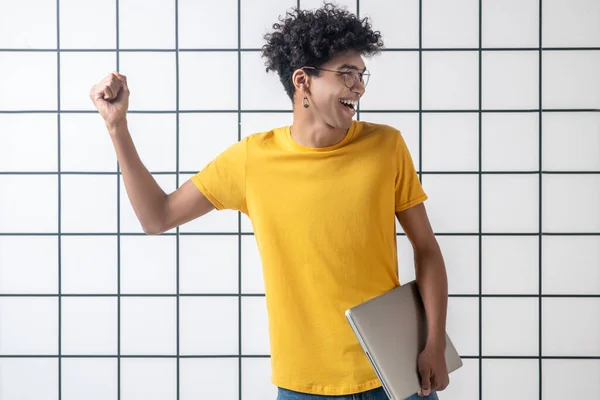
{"points": [[352, 77]]}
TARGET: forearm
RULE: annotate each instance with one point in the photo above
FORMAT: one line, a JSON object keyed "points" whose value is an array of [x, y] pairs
{"points": [[146, 196], [433, 287]]}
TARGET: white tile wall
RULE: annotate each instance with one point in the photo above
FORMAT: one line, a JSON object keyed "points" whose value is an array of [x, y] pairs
{"points": [[101, 250]]}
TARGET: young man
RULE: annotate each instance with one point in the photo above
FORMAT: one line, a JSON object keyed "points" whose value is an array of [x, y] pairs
{"points": [[322, 195]]}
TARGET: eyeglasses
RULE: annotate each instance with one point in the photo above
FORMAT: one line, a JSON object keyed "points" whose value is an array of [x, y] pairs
{"points": [[351, 76]]}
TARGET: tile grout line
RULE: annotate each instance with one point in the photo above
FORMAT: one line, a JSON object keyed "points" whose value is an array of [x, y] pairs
{"points": [[59, 176], [540, 114], [480, 196], [177, 229], [117, 40]]}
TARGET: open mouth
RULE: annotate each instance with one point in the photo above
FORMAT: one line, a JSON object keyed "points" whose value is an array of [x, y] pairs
{"points": [[349, 105]]}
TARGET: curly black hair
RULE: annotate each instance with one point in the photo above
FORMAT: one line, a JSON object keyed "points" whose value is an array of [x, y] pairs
{"points": [[302, 38]]}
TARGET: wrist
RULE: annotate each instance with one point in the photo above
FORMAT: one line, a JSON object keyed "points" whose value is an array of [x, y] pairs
{"points": [[436, 343], [117, 127]]}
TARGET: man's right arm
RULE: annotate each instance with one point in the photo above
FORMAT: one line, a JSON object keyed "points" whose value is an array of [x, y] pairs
{"points": [[156, 211]]}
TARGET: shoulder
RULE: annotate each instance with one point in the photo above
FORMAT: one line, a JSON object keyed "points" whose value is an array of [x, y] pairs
{"points": [[265, 138], [382, 133]]}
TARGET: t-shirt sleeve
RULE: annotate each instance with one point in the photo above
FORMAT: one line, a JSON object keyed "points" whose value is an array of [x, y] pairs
{"points": [[223, 180], [409, 191]]}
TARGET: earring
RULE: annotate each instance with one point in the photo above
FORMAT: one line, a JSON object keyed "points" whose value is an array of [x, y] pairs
{"points": [[305, 101]]}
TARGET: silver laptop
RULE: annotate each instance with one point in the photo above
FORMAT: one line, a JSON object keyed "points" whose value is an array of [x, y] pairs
{"points": [[391, 329]]}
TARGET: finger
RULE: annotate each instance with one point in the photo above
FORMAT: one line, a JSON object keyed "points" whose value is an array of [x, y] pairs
{"points": [[97, 92], [425, 381], [107, 93], [120, 77]]}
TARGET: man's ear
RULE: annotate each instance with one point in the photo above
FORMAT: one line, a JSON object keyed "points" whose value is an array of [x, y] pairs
{"points": [[301, 81]]}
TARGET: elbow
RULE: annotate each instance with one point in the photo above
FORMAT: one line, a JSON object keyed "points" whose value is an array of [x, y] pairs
{"points": [[153, 227]]}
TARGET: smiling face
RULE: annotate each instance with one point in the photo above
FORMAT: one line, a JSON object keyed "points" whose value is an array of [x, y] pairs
{"points": [[335, 93]]}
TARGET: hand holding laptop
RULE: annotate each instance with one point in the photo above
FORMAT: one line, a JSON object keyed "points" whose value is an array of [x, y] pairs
{"points": [[433, 371]]}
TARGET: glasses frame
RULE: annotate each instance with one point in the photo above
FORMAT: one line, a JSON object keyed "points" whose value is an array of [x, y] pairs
{"points": [[345, 73]]}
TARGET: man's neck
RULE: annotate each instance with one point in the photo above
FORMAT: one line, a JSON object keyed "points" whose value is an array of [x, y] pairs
{"points": [[312, 134]]}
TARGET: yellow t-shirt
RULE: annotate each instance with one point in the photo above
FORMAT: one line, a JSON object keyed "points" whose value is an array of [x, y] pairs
{"points": [[324, 223]]}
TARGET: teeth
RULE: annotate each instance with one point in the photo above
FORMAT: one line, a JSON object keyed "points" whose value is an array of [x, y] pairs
{"points": [[354, 103]]}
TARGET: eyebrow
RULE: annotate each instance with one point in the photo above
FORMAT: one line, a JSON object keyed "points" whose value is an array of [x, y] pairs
{"points": [[348, 66]]}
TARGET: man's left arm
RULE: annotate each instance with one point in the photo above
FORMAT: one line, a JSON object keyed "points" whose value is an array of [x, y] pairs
{"points": [[433, 287]]}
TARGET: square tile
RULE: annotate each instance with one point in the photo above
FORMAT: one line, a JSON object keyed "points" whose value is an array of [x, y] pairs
{"points": [[148, 326], [257, 21], [510, 326], [85, 144], [89, 325], [89, 203], [208, 80], [155, 139], [510, 379], [252, 272], [510, 265], [524, 24], [577, 151], [256, 379], [129, 220], [450, 24], [209, 378], [216, 271], [149, 379], [510, 142], [215, 221], [510, 203], [510, 80], [462, 324], [557, 190], [148, 264], [28, 325], [202, 137], [31, 80], [459, 132], [148, 93], [406, 123], [570, 79], [398, 21], [219, 27], [349, 5], [25, 271], [208, 325], [88, 25], [89, 264], [90, 379], [23, 210], [261, 90], [561, 379], [453, 202], [28, 142], [154, 28], [255, 326], [28, 24], [450, 80], [464, 382], [246, 224], [571, 327], [570, 24], [394, 82], [252, 123], [461, 256], [29, 378], [570, 264], [78, 73]]}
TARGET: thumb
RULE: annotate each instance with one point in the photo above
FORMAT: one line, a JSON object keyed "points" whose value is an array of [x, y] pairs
{"points": [[425, 373]]}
